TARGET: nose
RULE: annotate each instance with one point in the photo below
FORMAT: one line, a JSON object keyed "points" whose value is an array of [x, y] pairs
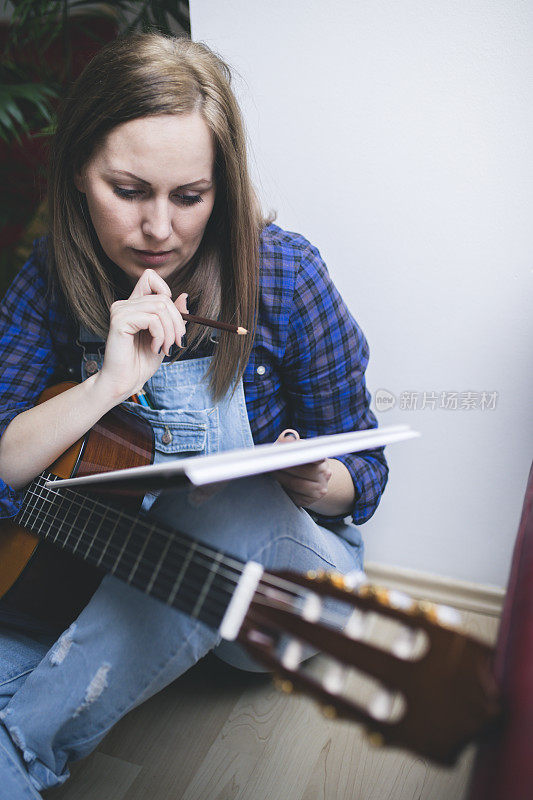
{"points": [[157, 220]]}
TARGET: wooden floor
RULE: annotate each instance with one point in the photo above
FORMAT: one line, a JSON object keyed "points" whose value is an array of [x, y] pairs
{"points": [[221, 734]]}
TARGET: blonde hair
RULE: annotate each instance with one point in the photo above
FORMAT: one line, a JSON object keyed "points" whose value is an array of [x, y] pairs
{"points": [[147, 75]]}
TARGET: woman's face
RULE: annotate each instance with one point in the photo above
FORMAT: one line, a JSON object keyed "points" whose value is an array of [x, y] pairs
{"points": [[150, 191]]}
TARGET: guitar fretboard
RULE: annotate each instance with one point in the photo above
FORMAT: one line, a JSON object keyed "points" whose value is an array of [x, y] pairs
{"points": [[138, 549]]}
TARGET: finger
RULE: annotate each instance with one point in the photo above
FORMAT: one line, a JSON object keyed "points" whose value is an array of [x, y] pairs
{"points": [[172, 323], [157, 332], [160, 309], [150, 283], [143, 321], [126, 321], [300, 500], [316, 470], [313, 490], [180, 307], [288, 435], [164, 308], [181, 303]]}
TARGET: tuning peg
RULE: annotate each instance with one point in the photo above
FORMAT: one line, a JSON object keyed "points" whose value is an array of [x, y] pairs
{"points": [[330, 712], [357, 624], [354, 579], [337, 580], [401, 601], [367, 591], [316, 574], [411, 644], [283, 685], [375, 739], [335, 679], [292, 655], [427, 609], [381, 705], [446, 616]]}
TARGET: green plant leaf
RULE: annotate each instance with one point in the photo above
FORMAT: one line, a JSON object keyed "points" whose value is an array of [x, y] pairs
{"points": [[16, 118]]}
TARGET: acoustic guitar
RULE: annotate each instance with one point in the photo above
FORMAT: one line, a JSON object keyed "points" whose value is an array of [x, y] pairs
{"points": [[431, 691]]}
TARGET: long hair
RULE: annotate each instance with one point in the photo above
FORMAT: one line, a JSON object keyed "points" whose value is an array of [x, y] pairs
{"points": [[147, 75]]}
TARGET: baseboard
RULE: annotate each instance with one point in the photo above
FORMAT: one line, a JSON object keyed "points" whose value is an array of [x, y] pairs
{"points": [[464, 595]]}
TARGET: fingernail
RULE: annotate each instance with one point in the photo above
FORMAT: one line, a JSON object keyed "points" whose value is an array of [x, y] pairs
{"points": [[290, 435]]}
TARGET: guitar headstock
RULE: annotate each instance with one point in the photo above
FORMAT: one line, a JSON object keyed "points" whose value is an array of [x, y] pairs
{"points": [[431, 690]]}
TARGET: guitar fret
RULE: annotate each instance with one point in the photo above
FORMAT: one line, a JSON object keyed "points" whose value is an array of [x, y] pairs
{"points": [[72, 533], [138, 559], [121, 551], [23, 513], [40, 497], [26, 510], [81, 507], [108, 540], [207, 585], [84, 528], [58, 509], [182, 572], [158, 566], [33, 509], [140, 550]]}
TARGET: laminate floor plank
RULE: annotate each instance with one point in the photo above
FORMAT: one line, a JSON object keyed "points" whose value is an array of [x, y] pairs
{"points": [[99, 777], [268, 740]]}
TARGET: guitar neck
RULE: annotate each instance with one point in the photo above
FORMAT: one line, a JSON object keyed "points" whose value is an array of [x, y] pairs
{"points": [[141, 551]]}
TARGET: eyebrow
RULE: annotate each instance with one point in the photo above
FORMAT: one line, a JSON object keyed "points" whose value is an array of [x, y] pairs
{"points": [[147, 183]]}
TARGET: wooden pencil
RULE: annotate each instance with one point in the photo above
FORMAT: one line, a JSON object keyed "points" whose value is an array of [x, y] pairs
{"points": [[214, 323]]}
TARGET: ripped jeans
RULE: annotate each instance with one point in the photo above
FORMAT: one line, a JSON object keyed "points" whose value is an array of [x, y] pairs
{"points": [[59, 699]]}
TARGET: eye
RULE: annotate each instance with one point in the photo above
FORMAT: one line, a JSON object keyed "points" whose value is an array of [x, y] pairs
{"points": [[188, 199], [127, 194]]}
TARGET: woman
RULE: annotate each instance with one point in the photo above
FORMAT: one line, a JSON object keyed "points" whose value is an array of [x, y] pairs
{"points": [[152, 215]]}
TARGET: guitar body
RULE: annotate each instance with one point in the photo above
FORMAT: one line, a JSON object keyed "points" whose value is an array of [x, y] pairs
{"points": [[41, 580]]}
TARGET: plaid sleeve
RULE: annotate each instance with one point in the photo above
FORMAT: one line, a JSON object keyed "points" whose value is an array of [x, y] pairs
{"points": [[27, 360], [325, 361]]}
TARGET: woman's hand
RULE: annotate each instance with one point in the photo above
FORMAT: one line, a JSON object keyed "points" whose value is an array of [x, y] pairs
{"points": [[305, 484], [142, 330]]}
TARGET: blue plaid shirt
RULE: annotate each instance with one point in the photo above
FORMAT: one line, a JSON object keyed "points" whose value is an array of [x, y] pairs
{"points": [[306, 369]]}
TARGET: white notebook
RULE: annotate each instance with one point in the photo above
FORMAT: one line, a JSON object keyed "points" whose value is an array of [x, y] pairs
{"points": [[203, 470]]}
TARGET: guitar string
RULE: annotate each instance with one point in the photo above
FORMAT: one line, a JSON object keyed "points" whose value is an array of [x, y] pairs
{"points": [[186, 583], [207, 559], [151, 526], [268, 580], [231, 563], [203, 565], [210, 607], [288, 586]]}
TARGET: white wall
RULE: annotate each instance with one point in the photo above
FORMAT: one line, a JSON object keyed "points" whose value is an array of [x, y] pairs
{"points": [[397, 137]]}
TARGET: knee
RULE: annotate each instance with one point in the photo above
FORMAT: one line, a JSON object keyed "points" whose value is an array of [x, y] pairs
{"points": [[240, 518]]}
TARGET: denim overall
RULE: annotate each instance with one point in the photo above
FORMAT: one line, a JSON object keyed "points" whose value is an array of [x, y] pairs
{"points": [[59, 699]]}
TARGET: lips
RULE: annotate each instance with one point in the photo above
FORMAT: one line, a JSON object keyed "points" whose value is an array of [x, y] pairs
{"points": [[153, 257]]}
